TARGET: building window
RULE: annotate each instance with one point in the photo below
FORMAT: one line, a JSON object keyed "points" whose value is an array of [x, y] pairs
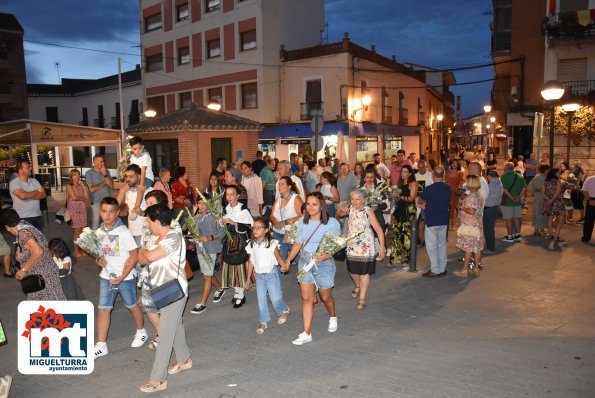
{"points": [[157, 104], [185, 99], [153, 22], [3, 50], [313, 104], [154, 62], [182, 13], [212, 5], [51, 114], [216, 95], [248, 39], [249, 96], [183, 55], [85, 121], [213, 48]]}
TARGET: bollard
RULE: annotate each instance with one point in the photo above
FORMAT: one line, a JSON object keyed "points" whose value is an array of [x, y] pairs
{"points": [[413, 247]]}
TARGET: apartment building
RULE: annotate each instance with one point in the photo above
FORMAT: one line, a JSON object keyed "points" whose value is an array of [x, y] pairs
{"points": [[13, 81]]}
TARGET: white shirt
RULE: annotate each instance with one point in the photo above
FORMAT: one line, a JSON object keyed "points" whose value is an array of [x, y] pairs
{"points": [[253, 185], [262, 258], [427, 177], [116, 244], [60, 263], [144, 160], [298, 183], [136, 226]]}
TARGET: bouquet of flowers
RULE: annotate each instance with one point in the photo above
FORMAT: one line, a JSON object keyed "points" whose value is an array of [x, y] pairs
{"points": [[124, 161], [215, 207], [194, 231], [377, 194], [330, 244], [394, 194], [293, 231], [90, 243]]}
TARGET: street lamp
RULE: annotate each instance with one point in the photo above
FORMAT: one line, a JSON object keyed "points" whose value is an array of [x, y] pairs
{"points": [[492, 119], [487, 108], [214, 105], [150, 113], [366, 100], [552, 91], [569, 109], [439, 117]]}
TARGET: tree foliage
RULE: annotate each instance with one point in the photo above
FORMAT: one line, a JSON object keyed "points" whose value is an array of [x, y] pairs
{"points": [[583, 123]]}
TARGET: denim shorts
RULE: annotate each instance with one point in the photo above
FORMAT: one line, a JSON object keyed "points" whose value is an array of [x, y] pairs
{"points": [[107, 295], [322, 274]]}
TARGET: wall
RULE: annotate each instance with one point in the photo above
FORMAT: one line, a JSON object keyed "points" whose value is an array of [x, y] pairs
{"points": [[569, 51]]}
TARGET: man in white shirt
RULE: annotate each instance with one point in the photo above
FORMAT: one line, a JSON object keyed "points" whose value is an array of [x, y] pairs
{"points": [[424, 179], [283, 169], [136, 218], [381, 168], [26, 193], [254, 188]]}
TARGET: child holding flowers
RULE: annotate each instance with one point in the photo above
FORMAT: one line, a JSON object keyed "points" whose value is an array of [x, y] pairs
{"points": [[264, 260]]}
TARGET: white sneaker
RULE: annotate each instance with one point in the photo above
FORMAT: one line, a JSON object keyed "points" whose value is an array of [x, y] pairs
{"points": [[139, 338], [5, 383], [388, 252], [303, 338], [100, 350], [332, 324]]}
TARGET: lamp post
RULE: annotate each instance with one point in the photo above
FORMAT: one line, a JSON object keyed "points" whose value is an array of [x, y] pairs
{"points": [[150, 113], [439, 117], [552, 91], [569, 109]]}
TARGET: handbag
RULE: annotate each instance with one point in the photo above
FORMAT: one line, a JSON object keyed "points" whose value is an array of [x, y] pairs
{"points": [[32, 283], [468, 231], [169, 292]]}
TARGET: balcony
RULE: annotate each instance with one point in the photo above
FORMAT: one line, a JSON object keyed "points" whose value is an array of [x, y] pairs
{"points": [[403, 116], [309, 109], [387, 114], [99, 123], [584, 88], [115, 122], [83, 122], [570, 26], [421, 119]]}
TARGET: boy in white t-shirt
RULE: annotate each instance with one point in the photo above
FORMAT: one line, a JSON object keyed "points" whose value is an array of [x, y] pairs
{"points": [[117, 274], [142, 159]]}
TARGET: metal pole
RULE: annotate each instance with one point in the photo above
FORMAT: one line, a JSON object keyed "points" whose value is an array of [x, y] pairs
{"points": [[413, 247], [568, 138], [316, 138], [122, 137], [552, 120]]}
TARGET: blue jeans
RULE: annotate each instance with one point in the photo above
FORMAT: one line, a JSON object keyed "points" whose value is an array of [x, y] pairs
{"points": [[269, 283], [436, 247], [490, 215]]}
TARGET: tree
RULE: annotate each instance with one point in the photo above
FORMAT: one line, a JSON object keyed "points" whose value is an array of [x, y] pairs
{"points": [[583, 123]]}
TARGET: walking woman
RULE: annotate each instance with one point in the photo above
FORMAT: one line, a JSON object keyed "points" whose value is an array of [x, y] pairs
{"points": [[287, 209], [329, 191], [470, 231], [455, 178], [361, 251], [182, 191], [539, 220], [77, 202], [553, 207], [311, 229], [405, 213], [34, 256], [166, 261], [239, 224]]}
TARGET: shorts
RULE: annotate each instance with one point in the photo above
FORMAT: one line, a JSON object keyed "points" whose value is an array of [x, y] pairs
{"points": [[107, 295], [207, 267], [322, 274], [510, 212]]}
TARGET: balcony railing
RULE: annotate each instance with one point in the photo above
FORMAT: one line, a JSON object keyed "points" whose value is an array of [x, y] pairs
{"points": [[403, 116], [570, 26], [115, 122], [309, 109], [421, 119], [99, 123], [387, 114], [580, 88], [83, 122]]}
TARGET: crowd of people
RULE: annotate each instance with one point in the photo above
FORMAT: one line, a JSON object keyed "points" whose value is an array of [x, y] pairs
{"points": [[251, 225]]}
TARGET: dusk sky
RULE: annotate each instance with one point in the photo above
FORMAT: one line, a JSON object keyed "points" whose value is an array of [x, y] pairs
{"points": [[438, 33]]}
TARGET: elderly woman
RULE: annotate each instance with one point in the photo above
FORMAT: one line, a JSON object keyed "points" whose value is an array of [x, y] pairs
{"points": [[361, 252], [553, 207], [287, 209], [404, 213], [311, 228], [470, 231], [77, 196], [538, 220], [182, 191], [166, 260], [34, 256], [163, 185]]}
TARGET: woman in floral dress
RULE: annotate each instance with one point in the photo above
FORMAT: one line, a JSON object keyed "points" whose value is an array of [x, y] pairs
{"points": [[553, 206], [77, 199], [361, 253], [404, 215], [34, 256], [470, 232]]}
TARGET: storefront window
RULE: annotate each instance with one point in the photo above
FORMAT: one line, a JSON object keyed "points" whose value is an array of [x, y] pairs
{"points": [[366, 147], [392, 145], [268, 148]]}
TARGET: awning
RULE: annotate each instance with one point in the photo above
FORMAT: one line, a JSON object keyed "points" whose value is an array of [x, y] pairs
{"points": [[333, 128]]}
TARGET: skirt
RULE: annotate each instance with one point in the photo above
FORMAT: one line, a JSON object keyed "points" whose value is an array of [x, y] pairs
{"points": [[235, 276], [361, 265]]}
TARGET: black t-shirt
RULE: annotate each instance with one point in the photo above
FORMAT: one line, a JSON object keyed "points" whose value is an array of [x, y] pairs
{"points": [[258, 165]]}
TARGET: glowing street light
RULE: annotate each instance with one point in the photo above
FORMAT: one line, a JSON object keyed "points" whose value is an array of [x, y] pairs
{"points": [[487, 108], [214, 105], [552, 91], [150, 113]]}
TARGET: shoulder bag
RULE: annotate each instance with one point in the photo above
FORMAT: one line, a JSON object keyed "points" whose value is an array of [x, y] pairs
{"points": [[169, 292], [31, 283]]}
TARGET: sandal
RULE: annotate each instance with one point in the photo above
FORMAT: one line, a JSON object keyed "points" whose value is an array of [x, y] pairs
{"points": [[461, 273], [361, 304], [180, 366], [283, 318], [150, 387], [261, 328], [355, 292], [153, 344]]}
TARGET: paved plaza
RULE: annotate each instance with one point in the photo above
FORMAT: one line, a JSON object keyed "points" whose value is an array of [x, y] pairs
{"points": [[525, 328]]}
